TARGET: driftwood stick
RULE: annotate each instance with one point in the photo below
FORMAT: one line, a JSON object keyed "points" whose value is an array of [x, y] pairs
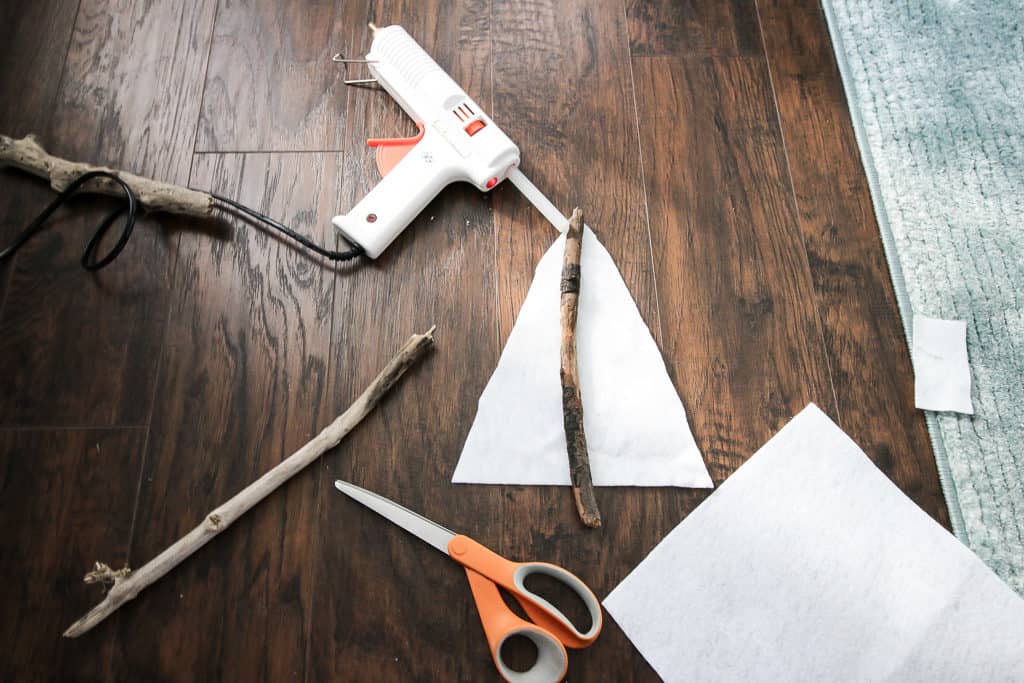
{"points": [[128, 584], [28, 155], [572, 404]]}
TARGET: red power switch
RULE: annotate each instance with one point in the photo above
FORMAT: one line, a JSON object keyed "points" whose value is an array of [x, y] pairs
{"points": [[474, 127]]}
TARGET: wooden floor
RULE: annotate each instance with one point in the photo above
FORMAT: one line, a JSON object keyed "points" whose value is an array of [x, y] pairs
{"points": [[710, 144]]}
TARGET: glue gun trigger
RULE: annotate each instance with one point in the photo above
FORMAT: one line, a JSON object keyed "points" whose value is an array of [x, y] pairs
{"points": [[392, 150]]}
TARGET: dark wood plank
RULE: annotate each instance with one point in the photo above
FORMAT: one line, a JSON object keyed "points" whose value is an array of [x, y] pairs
{"points": [[741, 328], [578, 140], [129, 98], [870, 363], [66, 501], [241, 387], [693, 27], [389, 606], [577, 129], [34, 38], [271, 84]]}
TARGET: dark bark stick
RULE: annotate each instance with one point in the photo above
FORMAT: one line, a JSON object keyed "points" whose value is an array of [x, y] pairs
{"points": [[572, 403], [128, 583]]}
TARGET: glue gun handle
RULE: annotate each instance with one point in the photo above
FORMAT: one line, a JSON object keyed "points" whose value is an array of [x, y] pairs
{"points": [[398, 198]]}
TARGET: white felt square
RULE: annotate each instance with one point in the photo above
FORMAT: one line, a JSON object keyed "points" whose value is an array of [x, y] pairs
{"points": [[808, 564]]}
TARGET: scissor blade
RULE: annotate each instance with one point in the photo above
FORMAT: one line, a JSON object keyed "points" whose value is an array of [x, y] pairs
{"points": [[417, 525]]}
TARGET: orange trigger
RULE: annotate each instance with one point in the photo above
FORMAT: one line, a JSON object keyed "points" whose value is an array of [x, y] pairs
{"points": [[392, 150]]}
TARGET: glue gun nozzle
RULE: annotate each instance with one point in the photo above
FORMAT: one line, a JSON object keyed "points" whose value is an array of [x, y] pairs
{"points": [[373, 26]]}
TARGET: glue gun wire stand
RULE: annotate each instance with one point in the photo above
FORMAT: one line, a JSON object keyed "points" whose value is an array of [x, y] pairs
{"points": [[70, 178]]}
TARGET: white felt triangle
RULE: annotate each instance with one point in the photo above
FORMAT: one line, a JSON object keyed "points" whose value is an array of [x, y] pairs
{"points": [[636, 427]]}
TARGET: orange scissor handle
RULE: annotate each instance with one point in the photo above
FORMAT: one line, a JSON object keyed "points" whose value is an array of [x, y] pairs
{"points": [[500, 623], [512, 575]]}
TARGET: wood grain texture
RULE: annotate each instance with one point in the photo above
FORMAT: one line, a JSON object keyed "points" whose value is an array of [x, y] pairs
{"points": [[870, 363], [736, 211], [66, 499], [241, 385], [583, 105], [693, 27], [34, 38], [579, 140], [389, 606], [271, 84], [741, 327], [129, 98]]}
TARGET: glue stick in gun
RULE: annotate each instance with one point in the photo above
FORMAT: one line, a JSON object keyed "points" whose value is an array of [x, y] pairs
{"points": [[457, 141]]}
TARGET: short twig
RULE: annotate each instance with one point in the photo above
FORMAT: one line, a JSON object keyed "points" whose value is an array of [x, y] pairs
{"points": [[105, 575]]}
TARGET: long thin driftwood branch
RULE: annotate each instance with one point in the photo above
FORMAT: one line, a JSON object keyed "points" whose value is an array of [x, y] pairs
{"points": [[28, 155], [572, 403], [128, 584]]}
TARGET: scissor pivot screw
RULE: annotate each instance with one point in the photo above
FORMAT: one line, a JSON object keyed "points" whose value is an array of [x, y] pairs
{"points": [[457, 547]]}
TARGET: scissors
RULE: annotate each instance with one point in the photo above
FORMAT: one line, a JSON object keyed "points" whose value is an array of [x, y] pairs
{"points": [[551, 632]]}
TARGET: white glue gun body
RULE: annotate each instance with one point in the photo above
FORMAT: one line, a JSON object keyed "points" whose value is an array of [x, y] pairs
{"points": [[457, 141]]}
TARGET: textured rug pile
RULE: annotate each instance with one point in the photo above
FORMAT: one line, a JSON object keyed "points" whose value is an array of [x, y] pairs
{"points": [[936, 91]]}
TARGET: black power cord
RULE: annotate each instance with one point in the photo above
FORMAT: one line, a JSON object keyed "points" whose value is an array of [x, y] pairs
{"points": [[88, 261], [347, 255], [130, 211]]}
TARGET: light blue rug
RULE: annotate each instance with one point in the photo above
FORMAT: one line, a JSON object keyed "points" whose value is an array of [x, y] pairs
{"points": [[936, 91]]}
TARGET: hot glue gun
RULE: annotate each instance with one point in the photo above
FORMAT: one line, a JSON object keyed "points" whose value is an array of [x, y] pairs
{"points": [[457, 141]]}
